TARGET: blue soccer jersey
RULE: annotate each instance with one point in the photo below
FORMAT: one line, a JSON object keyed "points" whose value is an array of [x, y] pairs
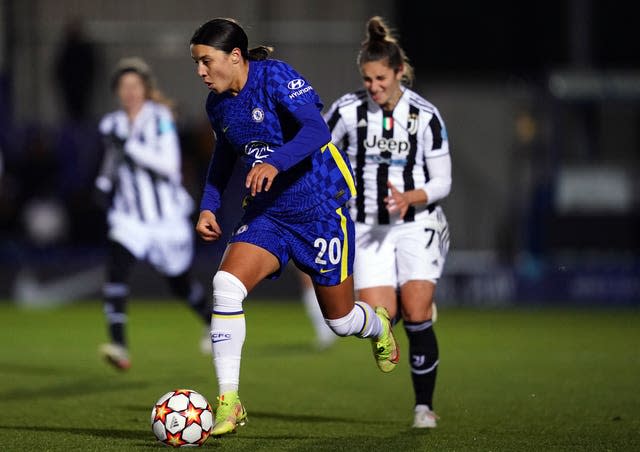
{"points": [[261, 124]]}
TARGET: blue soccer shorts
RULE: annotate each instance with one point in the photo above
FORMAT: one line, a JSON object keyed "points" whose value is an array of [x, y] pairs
{"points": [[322, 244]]}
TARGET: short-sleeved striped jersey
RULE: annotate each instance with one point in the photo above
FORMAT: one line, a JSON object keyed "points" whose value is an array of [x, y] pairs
{"points": [[387, 145], [146, 176], [255, 124]]}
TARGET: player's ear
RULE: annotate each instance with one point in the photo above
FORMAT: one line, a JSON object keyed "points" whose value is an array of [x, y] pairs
{"points": [[235, 55]]}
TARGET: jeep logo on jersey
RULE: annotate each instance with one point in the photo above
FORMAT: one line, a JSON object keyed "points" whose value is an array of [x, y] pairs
{"points": [[387, 144], [295, 84], [258, 150]]}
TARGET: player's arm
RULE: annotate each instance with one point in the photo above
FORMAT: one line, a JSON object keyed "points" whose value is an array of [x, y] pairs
{"points": [[438, 164], [436, 188], [218, 175], [437, 160], [439, 184], [312, 135], [112, 155], [163, 157]]}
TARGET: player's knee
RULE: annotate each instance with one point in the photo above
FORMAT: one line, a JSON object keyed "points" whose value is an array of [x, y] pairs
{"points": [[227, 290]]}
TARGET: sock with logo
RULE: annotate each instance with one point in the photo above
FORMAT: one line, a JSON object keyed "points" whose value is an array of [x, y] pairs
{"points": [[423, 360], [228, 329]]}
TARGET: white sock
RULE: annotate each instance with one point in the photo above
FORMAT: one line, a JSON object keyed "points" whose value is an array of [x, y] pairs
{"points": [[228, 329], [362, 321], [323, 332]]}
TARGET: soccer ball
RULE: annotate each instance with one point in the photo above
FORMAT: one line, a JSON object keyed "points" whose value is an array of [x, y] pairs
{"points": [[182, 417]]}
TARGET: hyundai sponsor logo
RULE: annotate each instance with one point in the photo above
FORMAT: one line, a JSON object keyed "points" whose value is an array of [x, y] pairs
{"points": [[295, 84]]}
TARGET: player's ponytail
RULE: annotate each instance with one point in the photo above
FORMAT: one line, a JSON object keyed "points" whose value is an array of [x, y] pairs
{"points": [[260, 53], [226, 34], [378, 30], [382, 45]]}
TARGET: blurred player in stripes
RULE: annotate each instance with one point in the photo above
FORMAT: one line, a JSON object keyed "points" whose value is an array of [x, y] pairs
{"points": [[148, 209], [267, 116], [398, 147]]}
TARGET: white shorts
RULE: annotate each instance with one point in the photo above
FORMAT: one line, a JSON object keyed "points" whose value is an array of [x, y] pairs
{"points": [[391, 255], [167, 245]]}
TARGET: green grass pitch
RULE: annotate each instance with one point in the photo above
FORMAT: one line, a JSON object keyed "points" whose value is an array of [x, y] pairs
{"points": [[509, 380]]}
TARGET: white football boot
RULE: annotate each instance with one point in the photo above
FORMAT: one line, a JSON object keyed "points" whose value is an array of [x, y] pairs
{"points": [[424, 417], [116, 355]]}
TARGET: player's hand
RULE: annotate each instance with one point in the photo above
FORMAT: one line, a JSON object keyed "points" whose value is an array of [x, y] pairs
{"points": [[396, 201], [260, 177], [207, 226]]}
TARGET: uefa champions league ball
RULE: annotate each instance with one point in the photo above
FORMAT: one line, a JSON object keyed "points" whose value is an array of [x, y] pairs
{"points": [[182, 418]]}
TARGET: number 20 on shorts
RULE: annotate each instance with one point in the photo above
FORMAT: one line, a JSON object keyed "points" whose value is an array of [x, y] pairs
{"points": [[331, 249]]}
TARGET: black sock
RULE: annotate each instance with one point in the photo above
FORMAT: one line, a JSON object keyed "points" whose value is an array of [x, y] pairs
{"points": [[183, 287], [116, 291], [423, 360], [115, 310]]}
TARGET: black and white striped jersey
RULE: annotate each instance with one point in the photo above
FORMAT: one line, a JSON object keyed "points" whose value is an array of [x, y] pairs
{"points": [[142, 166], [407, 146]]}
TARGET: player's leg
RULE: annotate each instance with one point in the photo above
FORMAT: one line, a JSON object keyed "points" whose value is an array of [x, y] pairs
{"points": [[185, 287], [421, 250], [385, 296], [171, 253], [324, 336], [348, 318], [374, 267], [328, 258], [243, 266], [417, 302], [115, 292]]}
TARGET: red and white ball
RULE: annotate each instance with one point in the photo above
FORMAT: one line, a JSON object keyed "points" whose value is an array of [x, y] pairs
{"points": [[182, 418]]}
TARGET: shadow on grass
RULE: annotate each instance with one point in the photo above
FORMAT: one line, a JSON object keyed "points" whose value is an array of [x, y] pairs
{"points": [[97, 432], [326, 441], [136, 408], [312, 418], [74, 388], [290, 349], [21, 369]]}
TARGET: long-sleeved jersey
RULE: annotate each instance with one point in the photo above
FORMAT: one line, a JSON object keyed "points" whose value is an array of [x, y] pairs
{"points": [[276, 119], [407, 146], [142, 166]]}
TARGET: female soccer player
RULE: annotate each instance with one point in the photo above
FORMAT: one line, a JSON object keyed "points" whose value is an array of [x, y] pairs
{"points": [[399, 150], [148, 209], [267, 115]]}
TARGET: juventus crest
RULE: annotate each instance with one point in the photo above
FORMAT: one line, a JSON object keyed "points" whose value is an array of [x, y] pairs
{"points": [[412, 124]]}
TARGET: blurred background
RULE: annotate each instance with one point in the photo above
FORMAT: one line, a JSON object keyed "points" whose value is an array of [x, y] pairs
{"points": [[541, 102]]}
